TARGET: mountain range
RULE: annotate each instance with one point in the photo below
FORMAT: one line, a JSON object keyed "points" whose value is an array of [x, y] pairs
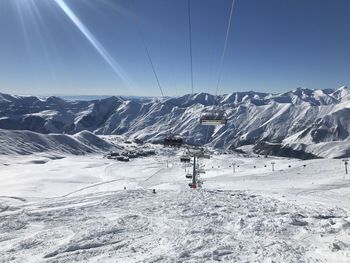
{"points": [[300, 123]]}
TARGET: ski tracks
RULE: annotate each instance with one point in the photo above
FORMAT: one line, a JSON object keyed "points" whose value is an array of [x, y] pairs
{"points": [[173, 226]]}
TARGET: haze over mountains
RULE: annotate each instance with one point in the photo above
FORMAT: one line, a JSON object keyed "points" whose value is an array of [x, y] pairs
{"points": [[302, 121]]}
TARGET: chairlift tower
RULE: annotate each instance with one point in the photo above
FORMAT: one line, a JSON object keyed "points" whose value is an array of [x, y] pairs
{"points": [[197, 169], [346, 162], [273, 166], [194, 173]]}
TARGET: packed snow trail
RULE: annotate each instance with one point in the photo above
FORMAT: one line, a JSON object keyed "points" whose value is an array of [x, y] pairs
{"points": [[172, 226], [75, 208]]}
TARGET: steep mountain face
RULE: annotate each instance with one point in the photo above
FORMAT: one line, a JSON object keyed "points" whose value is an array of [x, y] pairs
{"points": [[294, 119]]}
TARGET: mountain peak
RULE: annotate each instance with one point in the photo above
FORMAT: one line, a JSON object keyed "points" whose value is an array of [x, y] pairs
{"points": [[342, 93]]}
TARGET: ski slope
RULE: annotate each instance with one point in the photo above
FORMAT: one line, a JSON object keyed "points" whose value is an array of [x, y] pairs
{"points": [[75, 209]]}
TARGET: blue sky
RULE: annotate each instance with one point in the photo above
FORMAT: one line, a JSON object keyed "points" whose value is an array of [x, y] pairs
{"points": [[274, 46]]}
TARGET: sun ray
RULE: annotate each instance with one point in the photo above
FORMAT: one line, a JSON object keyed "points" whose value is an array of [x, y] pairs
{"points": [[95, 43]]}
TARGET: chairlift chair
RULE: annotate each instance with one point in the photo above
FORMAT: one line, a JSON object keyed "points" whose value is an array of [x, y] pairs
{"points": [[201, 171], [214, 117], [189, 176], [204, 155], [185, 159], [192, 185], [173, 141]]}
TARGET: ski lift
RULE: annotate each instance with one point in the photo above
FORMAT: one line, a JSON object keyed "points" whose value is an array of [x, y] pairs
{"points": [[204, 155], [201, 171], [185, 159], [173, 141], [214, 117], [189, 176]]}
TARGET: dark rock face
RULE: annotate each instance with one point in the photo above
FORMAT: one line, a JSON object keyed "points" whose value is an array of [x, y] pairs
{"points": [[264, 148]]}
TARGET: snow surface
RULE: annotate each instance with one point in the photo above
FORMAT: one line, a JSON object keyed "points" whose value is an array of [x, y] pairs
{"points": [[75, 209]]}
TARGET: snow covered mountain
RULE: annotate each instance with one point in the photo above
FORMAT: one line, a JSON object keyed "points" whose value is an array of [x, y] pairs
{"points": [[313, 121], [27, 142]]}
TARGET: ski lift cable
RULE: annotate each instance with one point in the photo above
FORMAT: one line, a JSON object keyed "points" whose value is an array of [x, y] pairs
{"points": [[217, 116], [137, 24], [224, 50], [190, 39]]}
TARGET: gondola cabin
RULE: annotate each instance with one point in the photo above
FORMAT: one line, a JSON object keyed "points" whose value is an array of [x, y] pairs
{"points": [[213, 118]]}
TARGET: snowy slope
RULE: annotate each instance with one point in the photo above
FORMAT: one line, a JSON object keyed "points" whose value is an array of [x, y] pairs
{"points": [[316, 116], [203, 226], [26, 142], [75, 210]]}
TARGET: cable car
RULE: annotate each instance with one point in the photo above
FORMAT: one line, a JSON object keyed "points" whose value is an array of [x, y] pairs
{"points": [[214, 117], [173, 141]]}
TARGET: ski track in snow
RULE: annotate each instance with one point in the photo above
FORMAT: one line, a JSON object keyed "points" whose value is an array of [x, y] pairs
{"points": [[170, 226], [296, 214]]}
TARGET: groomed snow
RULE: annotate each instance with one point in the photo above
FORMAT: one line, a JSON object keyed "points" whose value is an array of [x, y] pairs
{"points": [[75, 209]]}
